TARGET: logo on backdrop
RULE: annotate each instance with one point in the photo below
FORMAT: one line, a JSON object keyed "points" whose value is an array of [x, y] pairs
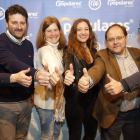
{"points": [[33, 15], [94, 4], [98, 25], [66, 24], [2, 13], [125, 3], [66, 18], [70, 3]]}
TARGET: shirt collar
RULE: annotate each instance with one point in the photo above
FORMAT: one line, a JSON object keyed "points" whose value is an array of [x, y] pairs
{"points": [[14, 39], [53, 45], [126, 54]]}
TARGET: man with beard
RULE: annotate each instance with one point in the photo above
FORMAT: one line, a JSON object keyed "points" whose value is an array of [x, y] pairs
{"points": [[121, 112], [16, 54]]}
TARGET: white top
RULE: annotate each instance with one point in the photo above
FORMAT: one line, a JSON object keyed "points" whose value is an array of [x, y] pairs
{"points": [[51, 56]]}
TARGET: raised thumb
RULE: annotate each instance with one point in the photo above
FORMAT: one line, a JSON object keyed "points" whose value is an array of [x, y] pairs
{"points": [[109, 78], [26, 71], [57, 71], [85, 72], [71, 69], [46, 67]]}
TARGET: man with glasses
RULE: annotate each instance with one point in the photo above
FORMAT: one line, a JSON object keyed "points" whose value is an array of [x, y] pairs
{"points": [[115, 113]]}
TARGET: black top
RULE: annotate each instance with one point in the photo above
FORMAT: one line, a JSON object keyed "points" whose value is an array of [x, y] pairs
{"points": [[72, 94]]}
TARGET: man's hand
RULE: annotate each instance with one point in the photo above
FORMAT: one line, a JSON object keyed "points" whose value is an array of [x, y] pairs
{"points": [[69, 77], [55, 77], [114, 87], [21, 78], [83, 84], [43, 76]]}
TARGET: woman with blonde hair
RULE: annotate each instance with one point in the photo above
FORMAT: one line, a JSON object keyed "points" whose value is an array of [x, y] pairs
{"points": [[79, 54], [49, 100]]}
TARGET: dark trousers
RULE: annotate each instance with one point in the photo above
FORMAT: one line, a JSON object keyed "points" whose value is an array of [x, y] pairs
{"points": [[126, 122], [76, 115]]}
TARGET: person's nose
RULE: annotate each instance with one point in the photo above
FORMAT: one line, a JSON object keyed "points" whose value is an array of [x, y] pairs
{"points": [[18, 26], [83, 31], [115, 41], [53, 33]]}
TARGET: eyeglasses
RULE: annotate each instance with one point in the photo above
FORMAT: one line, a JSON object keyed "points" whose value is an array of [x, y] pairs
{"points": [[118, 38]]}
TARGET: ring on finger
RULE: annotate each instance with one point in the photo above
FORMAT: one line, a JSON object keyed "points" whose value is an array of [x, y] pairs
{"points": [[26, 84]]}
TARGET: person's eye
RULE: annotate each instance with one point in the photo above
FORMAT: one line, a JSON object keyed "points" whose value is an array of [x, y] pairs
{"points": [[22, 23], [14, 23], [48, 31], [111, 39], [119, 37]]}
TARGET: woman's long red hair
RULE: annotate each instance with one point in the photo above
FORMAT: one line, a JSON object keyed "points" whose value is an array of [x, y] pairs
{"points": [[74, 46]]}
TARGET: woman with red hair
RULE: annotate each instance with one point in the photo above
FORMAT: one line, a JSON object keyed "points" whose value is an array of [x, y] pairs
{"points": [[79, 54]]}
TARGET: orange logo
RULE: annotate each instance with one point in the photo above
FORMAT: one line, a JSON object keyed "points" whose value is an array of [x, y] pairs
{"points": [[66, 18]]}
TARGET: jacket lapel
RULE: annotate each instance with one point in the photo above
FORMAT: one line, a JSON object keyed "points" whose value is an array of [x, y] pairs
{"points": [[115, 63], [135, 56]]}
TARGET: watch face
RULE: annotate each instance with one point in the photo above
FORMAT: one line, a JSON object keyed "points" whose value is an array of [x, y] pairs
{"points": [[123, 91]]}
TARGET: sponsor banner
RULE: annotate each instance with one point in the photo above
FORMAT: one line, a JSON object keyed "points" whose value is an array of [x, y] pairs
{"points": [[68, 4], [2, 13], [101, 15], [126, 3], [94, 4]]}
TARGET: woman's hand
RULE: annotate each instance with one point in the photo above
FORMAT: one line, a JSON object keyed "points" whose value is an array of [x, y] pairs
{"points": [[55, 77], [69, 77]]}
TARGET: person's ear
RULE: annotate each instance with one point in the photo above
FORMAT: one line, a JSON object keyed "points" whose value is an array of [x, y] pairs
{"points": [[126, 39], [105, 43], [6, 24]]}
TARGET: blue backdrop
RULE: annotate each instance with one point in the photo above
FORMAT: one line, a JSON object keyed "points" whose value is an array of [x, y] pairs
{"points": [[101, 15]]}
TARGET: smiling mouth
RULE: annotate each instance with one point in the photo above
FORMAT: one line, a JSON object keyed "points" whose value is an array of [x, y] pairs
{"points": [[116, 46], [53, 38], [83, 37], [19, 31]]}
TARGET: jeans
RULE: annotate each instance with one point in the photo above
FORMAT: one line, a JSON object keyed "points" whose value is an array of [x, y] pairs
{"points": [[14, 119], [50, 130]]}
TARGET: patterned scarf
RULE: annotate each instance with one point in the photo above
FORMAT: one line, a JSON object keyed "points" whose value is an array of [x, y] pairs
{"points": [[59, 100], [59, 103]]}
